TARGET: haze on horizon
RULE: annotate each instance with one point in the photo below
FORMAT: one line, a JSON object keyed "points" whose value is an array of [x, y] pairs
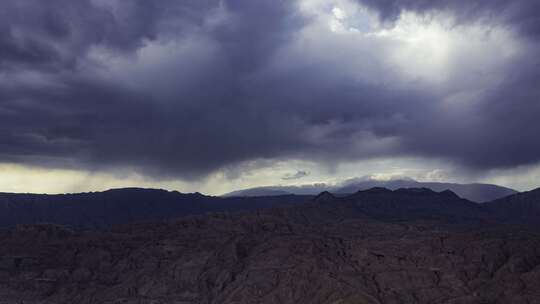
{"points": [[219, 95]]}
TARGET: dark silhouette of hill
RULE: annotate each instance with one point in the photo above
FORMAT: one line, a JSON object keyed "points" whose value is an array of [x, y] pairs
{"points": [[522, 207], [117, 206], [407, 204], [414, 203], [474, 192]]}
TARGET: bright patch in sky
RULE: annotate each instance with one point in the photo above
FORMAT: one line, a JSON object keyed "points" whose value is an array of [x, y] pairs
{"points": [[425, 48], [338, 13]]}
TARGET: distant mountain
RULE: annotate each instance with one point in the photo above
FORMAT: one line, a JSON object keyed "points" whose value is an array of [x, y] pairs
{"points": [[475, 192], [308, 189], [414, 203], [406, 204], [117, 206], [479, 193]]}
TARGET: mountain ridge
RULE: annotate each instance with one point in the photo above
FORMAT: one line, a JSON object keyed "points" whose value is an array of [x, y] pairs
{"points": [[525, 205], [476, 192], [122, 205], [126, 205]]}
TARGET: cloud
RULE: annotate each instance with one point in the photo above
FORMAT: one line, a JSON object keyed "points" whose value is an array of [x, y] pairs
{"points": [[519, 14], [181, 89], [297, 175]]}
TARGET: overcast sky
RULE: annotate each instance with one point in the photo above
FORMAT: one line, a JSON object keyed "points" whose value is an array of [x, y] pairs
{"points": [[211, 96]]}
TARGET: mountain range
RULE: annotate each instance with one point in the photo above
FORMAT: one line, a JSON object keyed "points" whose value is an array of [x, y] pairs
{"points": [[474, 192], [126, 205], [373, 246]]}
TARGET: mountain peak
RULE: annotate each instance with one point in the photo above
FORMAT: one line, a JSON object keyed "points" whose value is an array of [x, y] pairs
{"points": [[324, 197], [449, 193]]}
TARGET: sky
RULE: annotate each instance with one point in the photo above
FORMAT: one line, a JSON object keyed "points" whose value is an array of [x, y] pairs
{"points": [[218, 95]]}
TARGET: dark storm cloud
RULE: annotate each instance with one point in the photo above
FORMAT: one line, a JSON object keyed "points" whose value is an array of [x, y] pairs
{"points": [[501, 131], [69, 115], [56, 34], [211, 94]]}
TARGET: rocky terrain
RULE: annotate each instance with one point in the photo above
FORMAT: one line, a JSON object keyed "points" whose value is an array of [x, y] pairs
{"points": [[376, 246]]}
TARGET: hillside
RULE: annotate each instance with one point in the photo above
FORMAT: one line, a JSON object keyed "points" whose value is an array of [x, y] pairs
{"points": [[524, 206], [375, 246]]}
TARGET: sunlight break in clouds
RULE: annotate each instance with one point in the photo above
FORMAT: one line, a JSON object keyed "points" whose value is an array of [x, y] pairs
{"points": [[427, 48]]}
